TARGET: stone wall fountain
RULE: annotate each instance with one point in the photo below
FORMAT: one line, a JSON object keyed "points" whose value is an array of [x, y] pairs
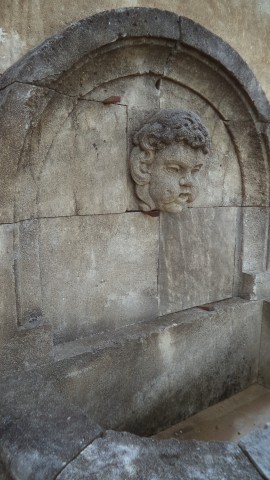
{"points": [[134, 209]]}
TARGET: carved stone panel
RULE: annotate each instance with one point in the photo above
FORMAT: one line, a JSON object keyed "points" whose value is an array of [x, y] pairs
{"points": [[67, 158], [79, 173], [98, 272], [166, 157], [196, 257]]}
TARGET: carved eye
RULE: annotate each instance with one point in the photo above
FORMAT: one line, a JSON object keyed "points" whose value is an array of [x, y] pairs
{"points": [[196, 169], [173, 168]]}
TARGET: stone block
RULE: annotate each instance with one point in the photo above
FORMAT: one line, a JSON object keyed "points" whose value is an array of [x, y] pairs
{"points": [[170, 368], [27, 273], [122, 456], [256, 445], [136, 117], [20, 106], [76, 161], [43, 66], [264, 369], [98, 272], [255, 286], [40, 431], [8, 313], [197, 37], [249, 145], [60, 157], [28, 348], [184, 68], [123, 61], [220, 177], [141, 91], [255, 232], [196, 264]]}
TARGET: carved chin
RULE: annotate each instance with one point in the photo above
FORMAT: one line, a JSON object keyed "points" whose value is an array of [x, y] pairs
{"points": [[179, 204], [172, 207]]}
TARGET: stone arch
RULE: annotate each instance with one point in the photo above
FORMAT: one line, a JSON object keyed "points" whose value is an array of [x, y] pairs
{"points": [[158, 51]]}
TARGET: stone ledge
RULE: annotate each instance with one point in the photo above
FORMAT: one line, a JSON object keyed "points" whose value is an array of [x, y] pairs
{"points": [[166, 373], [122, 456], [256, 446], [255, 286], [40, 431]]}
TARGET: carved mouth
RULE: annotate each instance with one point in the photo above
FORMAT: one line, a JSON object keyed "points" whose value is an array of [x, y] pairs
{"points": [[184, 197]]}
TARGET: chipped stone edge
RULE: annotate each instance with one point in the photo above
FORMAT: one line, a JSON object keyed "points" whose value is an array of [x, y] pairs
{"points": [[42, 66]]}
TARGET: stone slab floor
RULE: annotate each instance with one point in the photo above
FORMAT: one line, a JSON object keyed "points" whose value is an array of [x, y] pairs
{"points": [[226, 421]]}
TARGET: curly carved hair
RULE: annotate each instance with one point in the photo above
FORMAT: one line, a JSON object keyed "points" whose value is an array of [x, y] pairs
{"points": [[169, 126]]}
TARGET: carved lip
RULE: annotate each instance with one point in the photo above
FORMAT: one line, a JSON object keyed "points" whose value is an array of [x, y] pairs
{"points": [[184, 197]]}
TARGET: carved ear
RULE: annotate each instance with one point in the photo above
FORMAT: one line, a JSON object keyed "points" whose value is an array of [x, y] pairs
{"points": [[140, 163]]}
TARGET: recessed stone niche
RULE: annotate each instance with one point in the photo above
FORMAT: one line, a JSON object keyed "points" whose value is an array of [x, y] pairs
{"points": [[102, 283]]}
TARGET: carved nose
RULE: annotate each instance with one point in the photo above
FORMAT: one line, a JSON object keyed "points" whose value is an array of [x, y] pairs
{"points": [[186, 181]]}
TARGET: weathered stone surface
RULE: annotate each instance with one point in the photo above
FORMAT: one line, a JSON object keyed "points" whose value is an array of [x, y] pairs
{"points": [[264, 369], [255, 286], [40, 432], [255, 233], [27, 273], [185, 68], [249, 145], [42, 66], [196, 263], [119, 61], [20, 106], [171, 367], [25, 24], [81, 168], [97, 272], [28, 348], [220, 178], [57, 159], [3, 473], [140, 90], [167, 154], [8, 314], [123, 456], [256, 446], [195, 36]]}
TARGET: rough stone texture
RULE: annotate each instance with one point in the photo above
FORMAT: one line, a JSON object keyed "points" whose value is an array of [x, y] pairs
{"points": [[249, 144], [139, 90], [96, 268], [25, 24], [61, 161], [167, 155], [264, 369], [188, 69], [28, 348], [40, 432], [121, 61], [256, 446], [84, 170], [199, 38], [19, 121], [123, 456], [91, 33], [8, 312], [255, 236], [196, 257], [96, 273], [255, 286], [220, 178], [171, 367]]}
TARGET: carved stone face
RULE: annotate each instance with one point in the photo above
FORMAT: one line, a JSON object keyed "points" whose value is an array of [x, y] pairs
{"points": [[168, 153], [173, 181]]}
